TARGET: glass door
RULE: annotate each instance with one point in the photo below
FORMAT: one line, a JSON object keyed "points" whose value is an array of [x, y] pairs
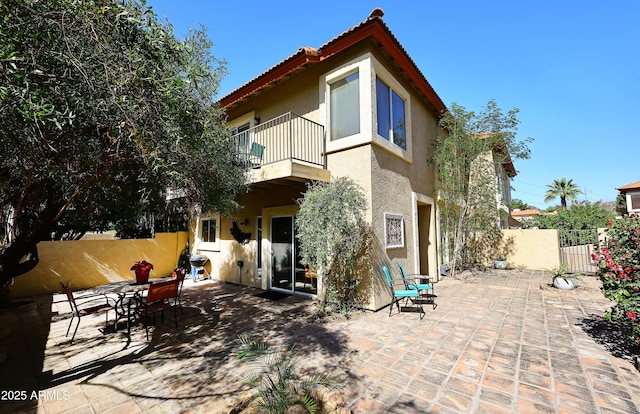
{"points": [[287, 273], [282, 253]]}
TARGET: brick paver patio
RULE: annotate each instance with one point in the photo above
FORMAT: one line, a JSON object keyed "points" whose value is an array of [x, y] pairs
{"points": [[498, 342]]}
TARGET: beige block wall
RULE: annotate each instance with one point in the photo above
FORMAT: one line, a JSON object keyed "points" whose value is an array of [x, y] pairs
{"points": [[88, 263], [532, 249]]}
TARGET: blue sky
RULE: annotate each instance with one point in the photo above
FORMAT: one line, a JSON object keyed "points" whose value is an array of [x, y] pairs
{"points": [[572, 68]]}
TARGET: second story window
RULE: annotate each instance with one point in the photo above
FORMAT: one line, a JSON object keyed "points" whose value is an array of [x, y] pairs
{"points": [[345, 106], [391, 114]]}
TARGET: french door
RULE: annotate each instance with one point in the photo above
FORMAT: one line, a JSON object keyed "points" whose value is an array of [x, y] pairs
{"points": [[287, 272]]}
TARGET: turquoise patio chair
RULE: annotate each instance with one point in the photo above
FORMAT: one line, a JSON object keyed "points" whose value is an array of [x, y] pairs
{"points": [[422, 283], [255, 155], [399, 294]]}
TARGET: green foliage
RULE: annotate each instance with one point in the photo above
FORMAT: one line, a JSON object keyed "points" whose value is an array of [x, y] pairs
{"points": [[581, 216], [276, 377], [521, 205], [619, 270], [103, 110], [565, 189], [333, 234], [560, 271], [467, 155]]}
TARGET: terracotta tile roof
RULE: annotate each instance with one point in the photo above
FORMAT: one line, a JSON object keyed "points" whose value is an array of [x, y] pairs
{"points": [[526, 213], [372, 27], [632, 186]]}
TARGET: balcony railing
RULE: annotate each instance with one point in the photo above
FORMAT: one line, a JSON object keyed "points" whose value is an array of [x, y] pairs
{"points": [[286, 137]]}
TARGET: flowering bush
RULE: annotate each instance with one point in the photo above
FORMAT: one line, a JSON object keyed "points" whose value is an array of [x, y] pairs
{"points": [[619, 270]]}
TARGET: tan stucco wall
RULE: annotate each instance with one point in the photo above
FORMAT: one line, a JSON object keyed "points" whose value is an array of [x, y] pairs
{"points": [[88, 263], [532, 249], [392, 182]]}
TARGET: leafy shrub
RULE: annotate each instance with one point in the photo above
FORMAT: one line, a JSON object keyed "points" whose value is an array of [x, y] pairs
{"points": [[278, 383], [619, 270]]}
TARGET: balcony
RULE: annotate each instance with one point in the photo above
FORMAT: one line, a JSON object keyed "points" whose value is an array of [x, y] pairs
{"points": [[286, 147]]}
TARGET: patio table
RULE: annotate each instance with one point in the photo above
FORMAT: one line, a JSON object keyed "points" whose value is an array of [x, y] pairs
{"points": [[124, 289]]}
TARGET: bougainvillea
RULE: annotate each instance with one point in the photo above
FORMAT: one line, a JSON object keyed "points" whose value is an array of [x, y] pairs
{"points": [[619, 270]]}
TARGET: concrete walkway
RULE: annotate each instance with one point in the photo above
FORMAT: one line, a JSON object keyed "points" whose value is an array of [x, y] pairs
{"points": [[498, 342]]}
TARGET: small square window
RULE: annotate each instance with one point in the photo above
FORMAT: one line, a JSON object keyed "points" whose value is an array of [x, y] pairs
{"points": [[635, 202], [393, 231], [208, 234]]}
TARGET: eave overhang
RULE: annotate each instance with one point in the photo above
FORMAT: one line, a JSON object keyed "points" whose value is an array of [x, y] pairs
{"points": [[372, 28]]}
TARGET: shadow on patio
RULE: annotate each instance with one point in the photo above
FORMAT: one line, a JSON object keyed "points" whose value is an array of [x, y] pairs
{"points": [[189, 368]]}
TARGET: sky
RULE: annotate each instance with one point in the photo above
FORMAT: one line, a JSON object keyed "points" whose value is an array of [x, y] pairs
{"points": [[572, 68]]}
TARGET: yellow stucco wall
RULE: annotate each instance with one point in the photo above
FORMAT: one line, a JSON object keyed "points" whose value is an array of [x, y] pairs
{"points": [[88, 263]]}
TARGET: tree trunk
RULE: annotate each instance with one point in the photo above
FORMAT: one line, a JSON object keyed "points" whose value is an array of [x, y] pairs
{"points": [[21, 254]]}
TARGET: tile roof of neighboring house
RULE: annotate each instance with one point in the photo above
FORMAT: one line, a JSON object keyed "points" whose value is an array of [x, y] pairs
{"points": [[372, 27], [632, 186], [526, 213]]}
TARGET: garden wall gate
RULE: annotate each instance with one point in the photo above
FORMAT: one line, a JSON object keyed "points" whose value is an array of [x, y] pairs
{"points": [[576, 247]]}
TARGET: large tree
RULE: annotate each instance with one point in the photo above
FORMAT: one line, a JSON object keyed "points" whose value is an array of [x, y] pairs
{"points": [[565, 189], [102, 111], [333, 234], [466, 155]]}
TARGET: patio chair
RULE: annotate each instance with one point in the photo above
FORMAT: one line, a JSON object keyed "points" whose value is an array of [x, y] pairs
{"points": [[160, 297], [420, 282], [310, 274], [179, 274], [399, 294], [88, 304], [255, 155]]}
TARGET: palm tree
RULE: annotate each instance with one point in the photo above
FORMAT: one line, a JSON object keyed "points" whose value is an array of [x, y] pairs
{"points": [[563, 188]]}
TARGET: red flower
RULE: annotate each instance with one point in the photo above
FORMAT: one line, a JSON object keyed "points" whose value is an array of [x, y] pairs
{"points": [[142, 265], [632, 315], [609, 223]]}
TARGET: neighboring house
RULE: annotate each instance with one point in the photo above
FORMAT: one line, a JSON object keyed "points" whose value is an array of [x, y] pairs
{"points": [[525, 216], [496, 170], [357, 106], [631, 192]]}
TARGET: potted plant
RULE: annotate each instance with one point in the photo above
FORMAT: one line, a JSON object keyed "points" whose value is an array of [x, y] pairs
{"points": [[142, 269], [560, 279], [500, 262]]}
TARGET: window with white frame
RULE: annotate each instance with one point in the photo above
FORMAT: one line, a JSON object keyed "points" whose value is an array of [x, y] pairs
{"points": [[390, 114], [393, 231], [209, 233], [344, 106], [634, 199]]}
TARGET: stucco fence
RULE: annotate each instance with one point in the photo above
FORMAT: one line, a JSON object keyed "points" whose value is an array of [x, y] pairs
{"points": [[540, 249], [88, 263]]}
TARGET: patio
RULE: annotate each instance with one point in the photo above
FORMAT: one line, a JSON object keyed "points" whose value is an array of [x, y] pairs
{"points": [[498, 342]]}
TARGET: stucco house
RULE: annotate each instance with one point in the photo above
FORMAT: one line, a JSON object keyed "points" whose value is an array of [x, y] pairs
{"points": [[357, 106], [631, 192]]}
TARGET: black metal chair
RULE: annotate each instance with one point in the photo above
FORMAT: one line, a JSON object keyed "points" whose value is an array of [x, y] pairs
{"points": [[89, 304]]}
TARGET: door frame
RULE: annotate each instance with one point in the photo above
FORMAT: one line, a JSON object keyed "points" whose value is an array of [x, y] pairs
{"points": [[267, 269]]}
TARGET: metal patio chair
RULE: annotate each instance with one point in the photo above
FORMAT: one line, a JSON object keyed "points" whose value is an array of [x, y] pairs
{"points": [[400, 294], [160, 297], [88, 304], [422, 283]]}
